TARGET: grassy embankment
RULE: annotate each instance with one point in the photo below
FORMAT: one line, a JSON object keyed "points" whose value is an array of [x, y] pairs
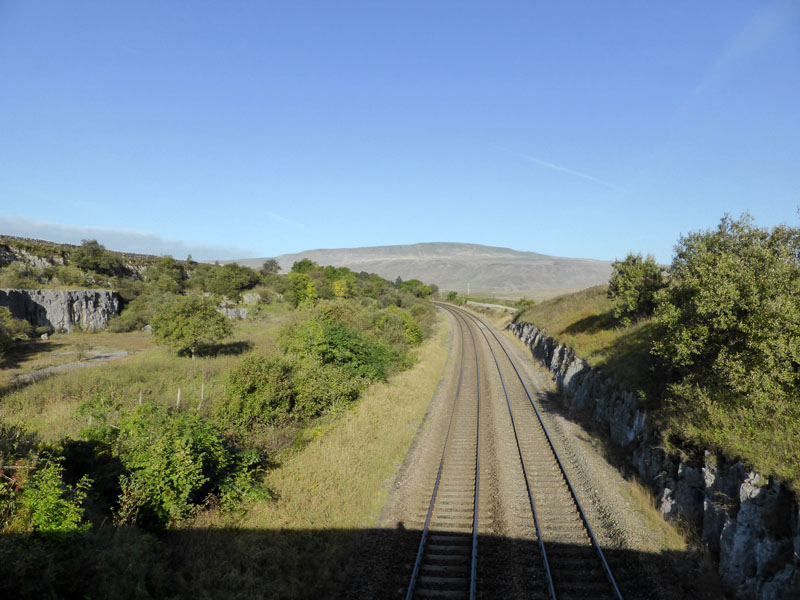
{"points": [[585, 321], [758, 435]]}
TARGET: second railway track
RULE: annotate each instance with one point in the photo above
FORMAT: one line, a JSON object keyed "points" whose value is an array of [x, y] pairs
{"points": [[499, 477]]}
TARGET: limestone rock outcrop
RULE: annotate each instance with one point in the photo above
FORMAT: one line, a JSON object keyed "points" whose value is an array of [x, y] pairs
{"points": [[63, 310], [751, 523]]}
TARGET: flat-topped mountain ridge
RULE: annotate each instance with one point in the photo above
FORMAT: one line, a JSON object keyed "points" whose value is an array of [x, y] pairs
{"points": [[459, 266]]}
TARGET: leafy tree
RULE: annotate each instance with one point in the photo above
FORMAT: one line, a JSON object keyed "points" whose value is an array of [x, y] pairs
{"points": [[92, 256], [633, 285], [189, 322], [343, 288], [452, 295], [166, 275], [231, 279], [270, 267], [524, 304], [416, 287], [729, 323], [304, 266], [301, 288]]}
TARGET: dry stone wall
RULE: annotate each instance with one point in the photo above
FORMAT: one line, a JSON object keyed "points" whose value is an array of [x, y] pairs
{"points": [[751, 523], [63, 310]]}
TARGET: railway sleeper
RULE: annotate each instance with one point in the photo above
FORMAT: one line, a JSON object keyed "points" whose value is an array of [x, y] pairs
{"points": [[433, 593]]}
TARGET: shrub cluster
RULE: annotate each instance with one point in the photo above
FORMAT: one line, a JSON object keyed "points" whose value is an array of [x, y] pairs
{"points": [[328, 354], [725, 339], [175, 461], [728, 325], [34, 493], [633, 286], [11, 328]]}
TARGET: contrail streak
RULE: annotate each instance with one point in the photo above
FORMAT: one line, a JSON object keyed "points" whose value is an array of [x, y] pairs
{"points": [[556, 167]]}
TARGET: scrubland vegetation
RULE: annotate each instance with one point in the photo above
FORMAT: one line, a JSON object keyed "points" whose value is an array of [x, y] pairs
{"points": [[106, 472], [711, 343]]}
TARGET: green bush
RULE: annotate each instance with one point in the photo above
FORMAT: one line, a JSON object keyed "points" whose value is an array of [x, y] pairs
{"points": [[11, 328], [33, 494], [728, 333], [335, 343], [231, 279], [70, 275], [397, 326], [165, 275], [416, 287], [176, 461], [50, 505], [92, 256], [633, 286], [318, 387], [19, 274], [140, 311], [265, 390], [258, 390]]}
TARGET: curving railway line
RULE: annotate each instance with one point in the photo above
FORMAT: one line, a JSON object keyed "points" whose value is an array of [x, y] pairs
{"points": [[498, 477]]}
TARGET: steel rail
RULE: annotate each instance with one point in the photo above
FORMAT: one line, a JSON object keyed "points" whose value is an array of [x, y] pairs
{"points": [[548, 573], [426, 528], [573, 493]]}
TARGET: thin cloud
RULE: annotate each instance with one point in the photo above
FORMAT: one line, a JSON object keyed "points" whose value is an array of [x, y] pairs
{"points": [[285, 221], [762, 29], [560, 168], [117, 239]]}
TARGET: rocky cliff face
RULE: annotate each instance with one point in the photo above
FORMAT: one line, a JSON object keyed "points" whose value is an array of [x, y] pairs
{"points": [[63, 310], [10, 253], [751, 523]]}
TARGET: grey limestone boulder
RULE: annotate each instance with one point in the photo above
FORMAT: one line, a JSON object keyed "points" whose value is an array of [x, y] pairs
{"points": [[252, 298], [235, 314]]}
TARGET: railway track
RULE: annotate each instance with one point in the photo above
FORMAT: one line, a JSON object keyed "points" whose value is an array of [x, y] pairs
{"points": [[568, 563], [446, 563]]}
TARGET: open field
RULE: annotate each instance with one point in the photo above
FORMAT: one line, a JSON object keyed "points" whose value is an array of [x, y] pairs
{"points": [[148, 372]]}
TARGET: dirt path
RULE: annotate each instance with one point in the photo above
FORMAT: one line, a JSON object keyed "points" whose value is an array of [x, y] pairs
{"points": [[91, 361]]}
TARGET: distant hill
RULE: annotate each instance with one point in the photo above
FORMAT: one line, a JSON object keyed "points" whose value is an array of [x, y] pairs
{"points": [[485, 269]]}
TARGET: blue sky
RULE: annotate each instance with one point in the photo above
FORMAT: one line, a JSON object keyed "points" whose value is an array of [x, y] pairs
{"points": [[233, 129]]}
